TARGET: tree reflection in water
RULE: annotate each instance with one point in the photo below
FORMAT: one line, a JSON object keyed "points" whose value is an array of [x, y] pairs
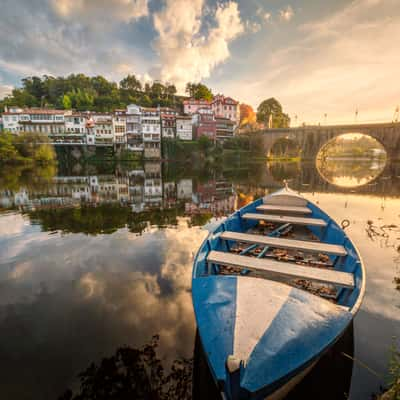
{"points": [[134, 374], [139, 374]]}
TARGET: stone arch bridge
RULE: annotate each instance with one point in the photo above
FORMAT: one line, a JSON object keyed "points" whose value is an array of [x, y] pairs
{"points": [[311, 139]]}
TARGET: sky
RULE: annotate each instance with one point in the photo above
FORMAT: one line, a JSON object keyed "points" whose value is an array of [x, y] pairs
{"points": [[316, 57]]}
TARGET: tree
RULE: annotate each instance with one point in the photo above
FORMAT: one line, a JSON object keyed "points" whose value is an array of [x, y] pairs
{"points": [[66, 102], [94, 93], [82, 99], [272, 107], [199, 91], [7, 150], [34, 86], [102, 86], [247, 115], [204, 143], [130, 83]]}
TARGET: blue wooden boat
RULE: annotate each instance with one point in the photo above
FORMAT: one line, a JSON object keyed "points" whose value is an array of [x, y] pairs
{"points": [[274, 286]]}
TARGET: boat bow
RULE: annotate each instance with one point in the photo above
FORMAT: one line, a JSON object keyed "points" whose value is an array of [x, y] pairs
{"points": [[270, 330]]}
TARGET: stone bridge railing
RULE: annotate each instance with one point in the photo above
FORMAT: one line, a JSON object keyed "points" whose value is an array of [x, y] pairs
{"points": [[312, 138]]}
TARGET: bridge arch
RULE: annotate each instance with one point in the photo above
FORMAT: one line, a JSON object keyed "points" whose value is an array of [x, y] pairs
{"points": [[285, 147], [312, 138]]}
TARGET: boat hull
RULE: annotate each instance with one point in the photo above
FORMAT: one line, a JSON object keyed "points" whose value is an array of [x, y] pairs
{"points": [[261, 337]]}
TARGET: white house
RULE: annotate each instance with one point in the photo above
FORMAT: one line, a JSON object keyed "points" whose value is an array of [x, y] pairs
{"points": [[134, 128], [151, 132], [119, 127], [35, 120], [184, 189], [184, 127]]}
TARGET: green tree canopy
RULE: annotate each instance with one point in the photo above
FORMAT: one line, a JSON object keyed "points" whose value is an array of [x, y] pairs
{"points": [[8, 151], [272, 107], [130, 83], [90, 93], [66, 102], [199, 91]]}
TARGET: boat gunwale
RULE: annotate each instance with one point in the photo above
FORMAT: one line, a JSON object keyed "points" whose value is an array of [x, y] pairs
{"points": [[362, 287]]}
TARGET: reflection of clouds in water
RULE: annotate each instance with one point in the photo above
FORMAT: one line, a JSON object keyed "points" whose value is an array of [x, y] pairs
{"points": [[182, 243], [20, 270], [138, 296], [379, 318], [76, 298], [12, 224], [380, 297]]}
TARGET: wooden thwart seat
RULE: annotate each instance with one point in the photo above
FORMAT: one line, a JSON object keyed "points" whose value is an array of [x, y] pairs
{"points": [[286, 218], [288, 209], [281, 243], [276, 270]]}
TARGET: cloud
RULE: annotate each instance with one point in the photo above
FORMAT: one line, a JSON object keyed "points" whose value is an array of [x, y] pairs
{"points": [[338, 63], [5, 90], [12, 224], [63, 37], [286, 14], [264, 15], [188, 51], [93, 11], [252, 26]]}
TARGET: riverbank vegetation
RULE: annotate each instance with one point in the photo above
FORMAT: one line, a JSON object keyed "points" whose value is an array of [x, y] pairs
{"points": [[393, 393], [26, 148], [204, 150]]}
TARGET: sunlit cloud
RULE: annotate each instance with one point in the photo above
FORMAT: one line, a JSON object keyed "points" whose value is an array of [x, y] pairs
{"points": [[286, 14], [187, 52], [315, 60], [252, 26], [92, 11], [338, 64]]}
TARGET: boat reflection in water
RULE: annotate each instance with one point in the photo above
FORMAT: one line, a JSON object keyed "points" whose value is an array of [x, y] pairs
{"points": [[139, 373], [330, 379]]}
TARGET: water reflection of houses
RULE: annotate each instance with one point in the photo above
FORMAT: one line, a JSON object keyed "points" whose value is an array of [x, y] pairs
{"points": [[142, 189], [153, 184], [214, 196], [136, 189]]}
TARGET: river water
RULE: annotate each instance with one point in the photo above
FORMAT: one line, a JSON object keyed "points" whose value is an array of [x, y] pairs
{"points": [[95, 274]]}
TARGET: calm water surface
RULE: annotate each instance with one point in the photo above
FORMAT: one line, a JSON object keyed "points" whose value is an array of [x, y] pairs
{"points": [[95, 267]]}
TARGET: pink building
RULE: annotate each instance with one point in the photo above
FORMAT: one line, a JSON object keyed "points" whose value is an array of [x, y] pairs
{"points": [[226, 107], [191, 106], [204, 123]]}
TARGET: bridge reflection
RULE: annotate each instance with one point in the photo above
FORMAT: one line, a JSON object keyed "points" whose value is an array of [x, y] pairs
{"points": [[305, 177], [312, 138]]}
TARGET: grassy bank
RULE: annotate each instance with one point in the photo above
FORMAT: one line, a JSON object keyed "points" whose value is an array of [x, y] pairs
{"points": [[284, 159], [393, 393], [204, 150]]}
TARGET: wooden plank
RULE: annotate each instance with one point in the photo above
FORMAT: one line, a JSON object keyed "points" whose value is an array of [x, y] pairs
{"points": [[281, 243], [285, 197], [282, 208], [276, 270], [286, 218]]}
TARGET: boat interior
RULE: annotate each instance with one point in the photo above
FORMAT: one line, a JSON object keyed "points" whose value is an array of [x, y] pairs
{"points": [[285, 238]]}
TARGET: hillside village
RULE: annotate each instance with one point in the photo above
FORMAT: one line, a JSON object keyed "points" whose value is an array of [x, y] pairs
{"points": [[135, 128]]}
